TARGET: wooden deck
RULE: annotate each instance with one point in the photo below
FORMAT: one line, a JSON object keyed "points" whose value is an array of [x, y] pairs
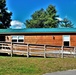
{"points": [[36, 49]]}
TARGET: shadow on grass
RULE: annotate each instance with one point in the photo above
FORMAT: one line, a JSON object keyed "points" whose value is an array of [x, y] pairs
{"points": [[8, 55], [4, 54], [15, 55]]}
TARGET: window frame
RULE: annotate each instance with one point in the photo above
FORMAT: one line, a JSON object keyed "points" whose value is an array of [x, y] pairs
{"points": [[65, 40], [17, 38]]}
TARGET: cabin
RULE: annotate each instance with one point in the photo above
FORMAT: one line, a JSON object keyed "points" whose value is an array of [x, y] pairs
{"points": [[52, 36]]}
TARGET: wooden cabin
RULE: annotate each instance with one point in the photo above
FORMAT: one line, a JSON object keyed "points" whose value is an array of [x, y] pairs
{"points": [[52, 36], [38, 41]]}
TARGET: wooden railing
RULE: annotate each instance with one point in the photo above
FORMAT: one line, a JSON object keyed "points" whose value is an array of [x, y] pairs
{"points": [[36, 49]]}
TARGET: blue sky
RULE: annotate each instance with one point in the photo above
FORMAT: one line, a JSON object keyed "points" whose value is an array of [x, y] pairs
{"points": [[23, 9]]}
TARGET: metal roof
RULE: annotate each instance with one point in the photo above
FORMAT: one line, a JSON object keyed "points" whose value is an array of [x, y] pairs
{"points": [[37, 30]]}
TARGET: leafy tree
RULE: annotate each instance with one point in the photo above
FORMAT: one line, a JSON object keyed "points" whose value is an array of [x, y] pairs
{"points": [[5, 16], [43, 18], [66, 23]]}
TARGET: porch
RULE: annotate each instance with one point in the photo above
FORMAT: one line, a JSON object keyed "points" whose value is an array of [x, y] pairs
{"points": [[37, 50]]}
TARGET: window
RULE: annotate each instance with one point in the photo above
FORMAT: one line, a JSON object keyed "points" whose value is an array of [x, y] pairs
{"points": [[66, 40], [17, 38], [66, 43]]}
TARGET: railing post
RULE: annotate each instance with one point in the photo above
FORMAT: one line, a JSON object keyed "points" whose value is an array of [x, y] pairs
{"points": [[2, 46], [44, 51], [11, 49], [27, 50], [74, 52], [62, 55]]}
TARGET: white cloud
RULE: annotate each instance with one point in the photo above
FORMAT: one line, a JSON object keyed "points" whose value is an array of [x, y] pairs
{"points": [[16, 24], [60, 19]]}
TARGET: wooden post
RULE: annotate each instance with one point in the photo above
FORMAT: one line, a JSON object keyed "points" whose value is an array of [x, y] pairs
{"points": [[44, 51], [27, 50], [62, 56], [11, 49], [2, 46], [74, 52]]}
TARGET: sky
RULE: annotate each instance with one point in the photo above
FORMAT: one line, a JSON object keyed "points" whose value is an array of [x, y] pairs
{"points": [[23, 9]]}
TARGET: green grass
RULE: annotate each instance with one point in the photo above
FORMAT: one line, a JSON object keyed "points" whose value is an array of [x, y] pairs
{"points": [[34, 66]]}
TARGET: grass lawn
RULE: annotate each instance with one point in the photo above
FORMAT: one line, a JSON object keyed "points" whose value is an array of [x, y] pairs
{"points": [[34, 66]]}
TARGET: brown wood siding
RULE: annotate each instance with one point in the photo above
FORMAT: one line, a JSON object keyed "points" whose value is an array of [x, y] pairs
{"points": [[73, 40], [44, 39]]}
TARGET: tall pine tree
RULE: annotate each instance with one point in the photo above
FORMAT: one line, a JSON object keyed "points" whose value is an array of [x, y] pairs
{"points": [[5, 16], [43, 18], [65, 23]]}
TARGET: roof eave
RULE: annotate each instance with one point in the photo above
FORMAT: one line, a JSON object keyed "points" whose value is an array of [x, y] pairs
{"points": [[42, 33]]}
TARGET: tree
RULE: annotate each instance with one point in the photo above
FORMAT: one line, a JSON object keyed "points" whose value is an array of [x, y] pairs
{"points": [[43, 18], [37, 20], [66, 23], [5, 16], [51, 17]]}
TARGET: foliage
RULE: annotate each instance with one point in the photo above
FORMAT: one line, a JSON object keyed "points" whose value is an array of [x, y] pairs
{"points": [[5, 16], [43, 18], [66, 23], [34, 66]]}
